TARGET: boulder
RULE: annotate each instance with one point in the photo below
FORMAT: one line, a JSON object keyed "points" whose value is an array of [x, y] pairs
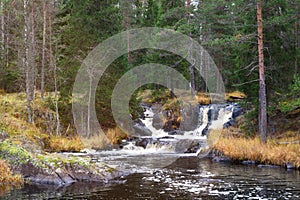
{"points": [[176, 132], [186, 146], [158, 121], [141, 130], [143, 142]]}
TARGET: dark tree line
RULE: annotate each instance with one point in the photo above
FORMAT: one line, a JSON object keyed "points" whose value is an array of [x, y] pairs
{"points": [[44, 42]]}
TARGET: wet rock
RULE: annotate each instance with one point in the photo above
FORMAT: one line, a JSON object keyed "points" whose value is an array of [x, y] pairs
{"points": [[248, 162], [176, 132], [267, 166], [229, 123], [165, 137], [141, 130], [132, 146], [156, 108], [205, 131], [193, 148], [237, 111], [186, 146], [190, 116], [221, 159], [143, 143], [158, 121], [289, 165]]}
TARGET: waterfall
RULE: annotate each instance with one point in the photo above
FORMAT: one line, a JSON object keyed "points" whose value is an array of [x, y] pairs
{"points": [[157, 140]]}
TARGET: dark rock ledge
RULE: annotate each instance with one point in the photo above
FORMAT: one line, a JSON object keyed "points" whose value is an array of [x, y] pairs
{"points": [[56, 169]]}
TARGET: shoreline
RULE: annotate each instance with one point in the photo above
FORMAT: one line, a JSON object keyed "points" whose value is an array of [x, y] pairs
{"points": [[253, 152]]}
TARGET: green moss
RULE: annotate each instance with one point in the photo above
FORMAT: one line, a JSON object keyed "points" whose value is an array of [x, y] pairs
{"points": [[56, 160], [15, 155]]}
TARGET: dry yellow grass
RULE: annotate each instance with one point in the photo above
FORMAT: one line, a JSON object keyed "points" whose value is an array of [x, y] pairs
{"points": [[115, 135], [97, 142], [203, 98], [7, 179], [252, 149], [235, 95], [65, 144]]}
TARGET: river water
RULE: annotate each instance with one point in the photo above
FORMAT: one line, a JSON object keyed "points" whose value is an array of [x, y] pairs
{"points": [[163, 170], [188, 177]]}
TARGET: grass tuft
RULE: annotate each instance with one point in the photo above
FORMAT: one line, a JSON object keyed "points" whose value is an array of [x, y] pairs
{"points": [[274, 152], [116, 135], [65, 144]]}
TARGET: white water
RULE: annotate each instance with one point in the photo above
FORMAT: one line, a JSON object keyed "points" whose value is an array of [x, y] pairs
{"points": [[205, 121], [224, 115]]}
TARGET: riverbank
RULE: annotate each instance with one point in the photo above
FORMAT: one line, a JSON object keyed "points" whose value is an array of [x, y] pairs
{"points": [[31, 152], [283, 152]]}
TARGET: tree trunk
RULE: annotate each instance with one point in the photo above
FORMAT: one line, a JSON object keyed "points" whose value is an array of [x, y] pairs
{"points": [[26, 62], [32, 55], [53, 65], [191, 68], [297, 41], [126, 21], [262, 119], [2, 31], [43, 50]]}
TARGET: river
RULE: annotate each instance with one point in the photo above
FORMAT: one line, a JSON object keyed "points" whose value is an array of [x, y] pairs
{"points": [[164, 170], [188, 177]]}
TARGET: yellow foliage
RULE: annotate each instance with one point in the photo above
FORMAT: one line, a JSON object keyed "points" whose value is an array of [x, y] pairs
{"points": [[203, 98], [99, 141], [65, 144], [252, 149], [115, 135], [7, 179]]}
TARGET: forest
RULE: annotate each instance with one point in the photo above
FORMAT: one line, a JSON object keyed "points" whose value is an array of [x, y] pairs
{"points": [[255, 46]]}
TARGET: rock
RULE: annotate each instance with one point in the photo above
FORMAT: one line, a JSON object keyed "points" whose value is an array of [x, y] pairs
{"points": [[88, 151], [158, 121], [190, 118], [221, 159], [176, 132], [237, 111], [132, 146], [143, 143], [205, 131], [267, 166], [186, 146], [289, 165], [141, 130], [165, 137], [228, 124], [156, 108], [248, 162]]}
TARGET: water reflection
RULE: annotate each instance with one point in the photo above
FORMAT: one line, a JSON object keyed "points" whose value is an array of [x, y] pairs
{"points": [[186, 178]]}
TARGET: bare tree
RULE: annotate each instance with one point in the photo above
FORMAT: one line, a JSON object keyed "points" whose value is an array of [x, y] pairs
{"points": [[262, 119], [127, 6], [53, 65], [2, 30], [32, 53], [297, 42], [43, 50], [26, 60], [191, 68]]}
